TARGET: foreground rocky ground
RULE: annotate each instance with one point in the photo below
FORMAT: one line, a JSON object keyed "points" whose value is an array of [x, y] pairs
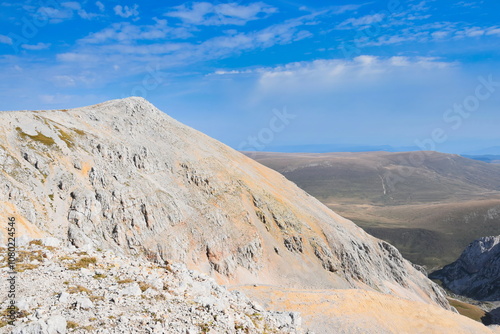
{"points": [[62, 290]]}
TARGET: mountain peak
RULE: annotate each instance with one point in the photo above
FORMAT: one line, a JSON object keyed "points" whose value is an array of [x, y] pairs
{"points": [[132, 106], [122, 175]]}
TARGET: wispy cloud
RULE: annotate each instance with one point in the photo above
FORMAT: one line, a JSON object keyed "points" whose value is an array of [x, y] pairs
{"points": [[323, 72], [329, 68], [477, 32], [362, 21], [100, 5], [469, 4], [128, 32], [493, 31], [346, 8], [205, 13], [179, 43], [35, 47], [64, 11], [5, 39], [274, 35], [126, 11]]}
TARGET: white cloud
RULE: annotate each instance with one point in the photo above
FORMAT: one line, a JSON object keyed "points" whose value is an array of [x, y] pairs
{"points": [[100, 5], [86, 15], [346, 8], [362, 21], [64, 81], [5, 39], [274, 35], [205, 13], [77, 57], [121, 39], [471, 4], [427, 32], [421, 6], [400, 61], [387, 40], [493, 31], [329, 68], [477, 32], [126, 11], [223, 72], [474, 32], [127, 32], [326, 71], [64, 12], [72, 5], [38, 46], [413, 17], [440, 34], [56, 15]]}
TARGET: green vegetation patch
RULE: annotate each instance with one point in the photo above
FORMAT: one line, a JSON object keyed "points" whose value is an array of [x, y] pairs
{"points": [[78, 289], [125, 281], [39, 137], [100, 276], [72, 325], [84, 262], [468, 310], [79, 132], [5, 315], [66, 137]]}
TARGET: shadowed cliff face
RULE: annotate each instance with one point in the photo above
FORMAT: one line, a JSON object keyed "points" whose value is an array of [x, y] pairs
{"points": [[476, 273], [123, 175]]}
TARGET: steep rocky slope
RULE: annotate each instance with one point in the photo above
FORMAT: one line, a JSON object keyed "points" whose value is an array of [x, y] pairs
{"points": [[124, 176], [61, 289], [476, 274]]}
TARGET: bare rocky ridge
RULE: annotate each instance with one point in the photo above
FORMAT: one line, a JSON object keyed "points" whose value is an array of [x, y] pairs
{"points": [[476, 273]]}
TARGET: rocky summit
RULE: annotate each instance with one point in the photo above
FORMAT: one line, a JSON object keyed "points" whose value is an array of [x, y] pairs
{"points": [[476, 273], [124, 177]]}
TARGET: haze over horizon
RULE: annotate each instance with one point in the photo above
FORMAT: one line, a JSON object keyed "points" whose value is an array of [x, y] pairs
{"points": [[263, 75]]}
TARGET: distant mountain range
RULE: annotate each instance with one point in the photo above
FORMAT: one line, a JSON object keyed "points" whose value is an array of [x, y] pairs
{"points": [[489, 155], [326, 148], [494, 159], [494, 150]]}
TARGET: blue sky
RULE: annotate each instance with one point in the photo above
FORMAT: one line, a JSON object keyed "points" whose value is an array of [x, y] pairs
{"points": [[269, 75]]}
